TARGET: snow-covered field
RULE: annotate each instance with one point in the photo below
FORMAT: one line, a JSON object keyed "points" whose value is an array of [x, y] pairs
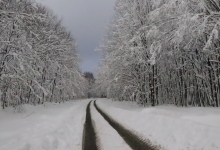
{"points": [[53, 126], [170, 127]]}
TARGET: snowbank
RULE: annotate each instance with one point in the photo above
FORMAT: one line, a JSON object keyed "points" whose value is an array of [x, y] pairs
{"points": [[170, 127], [53, 126]]}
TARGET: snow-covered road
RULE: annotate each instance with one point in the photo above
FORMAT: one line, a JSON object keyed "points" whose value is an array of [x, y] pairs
{"points": [[60, 126], [101, 132], [56, 126]]}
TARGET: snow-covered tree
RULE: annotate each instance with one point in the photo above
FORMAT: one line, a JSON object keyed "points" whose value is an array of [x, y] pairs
{"points": [[162, 52], [38, 58]]}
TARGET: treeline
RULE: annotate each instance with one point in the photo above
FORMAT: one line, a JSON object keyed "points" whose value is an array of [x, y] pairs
{"points": [[162, 52], [38, 58]]}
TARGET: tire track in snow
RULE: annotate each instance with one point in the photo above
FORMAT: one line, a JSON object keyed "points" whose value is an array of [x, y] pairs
{"points": [[132, 139], [89, 135], [107, 137]]}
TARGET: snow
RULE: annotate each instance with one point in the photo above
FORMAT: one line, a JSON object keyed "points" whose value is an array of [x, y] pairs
{"points": [[108, 137], [170, 127], [53, 126]]}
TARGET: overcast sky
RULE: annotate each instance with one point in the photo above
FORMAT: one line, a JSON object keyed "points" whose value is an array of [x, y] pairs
{"points": [[87, 20]]}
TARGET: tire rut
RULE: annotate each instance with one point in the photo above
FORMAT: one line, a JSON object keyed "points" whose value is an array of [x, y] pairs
{"points": [[132, 139], [89, 135]]}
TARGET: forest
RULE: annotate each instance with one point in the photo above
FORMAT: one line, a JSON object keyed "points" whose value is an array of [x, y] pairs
{"points": [[38, 57], [160, 52], [155, 52]]}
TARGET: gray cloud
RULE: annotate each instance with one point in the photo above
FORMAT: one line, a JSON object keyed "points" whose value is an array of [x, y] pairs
{"points": [[87, 20]]}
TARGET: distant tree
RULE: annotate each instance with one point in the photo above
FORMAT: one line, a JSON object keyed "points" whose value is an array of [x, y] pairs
{"points": [[91, 80]]}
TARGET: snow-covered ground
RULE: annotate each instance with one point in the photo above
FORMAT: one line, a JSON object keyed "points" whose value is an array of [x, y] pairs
{"points": [[60, 126], [53, 126], [170, 127]]}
